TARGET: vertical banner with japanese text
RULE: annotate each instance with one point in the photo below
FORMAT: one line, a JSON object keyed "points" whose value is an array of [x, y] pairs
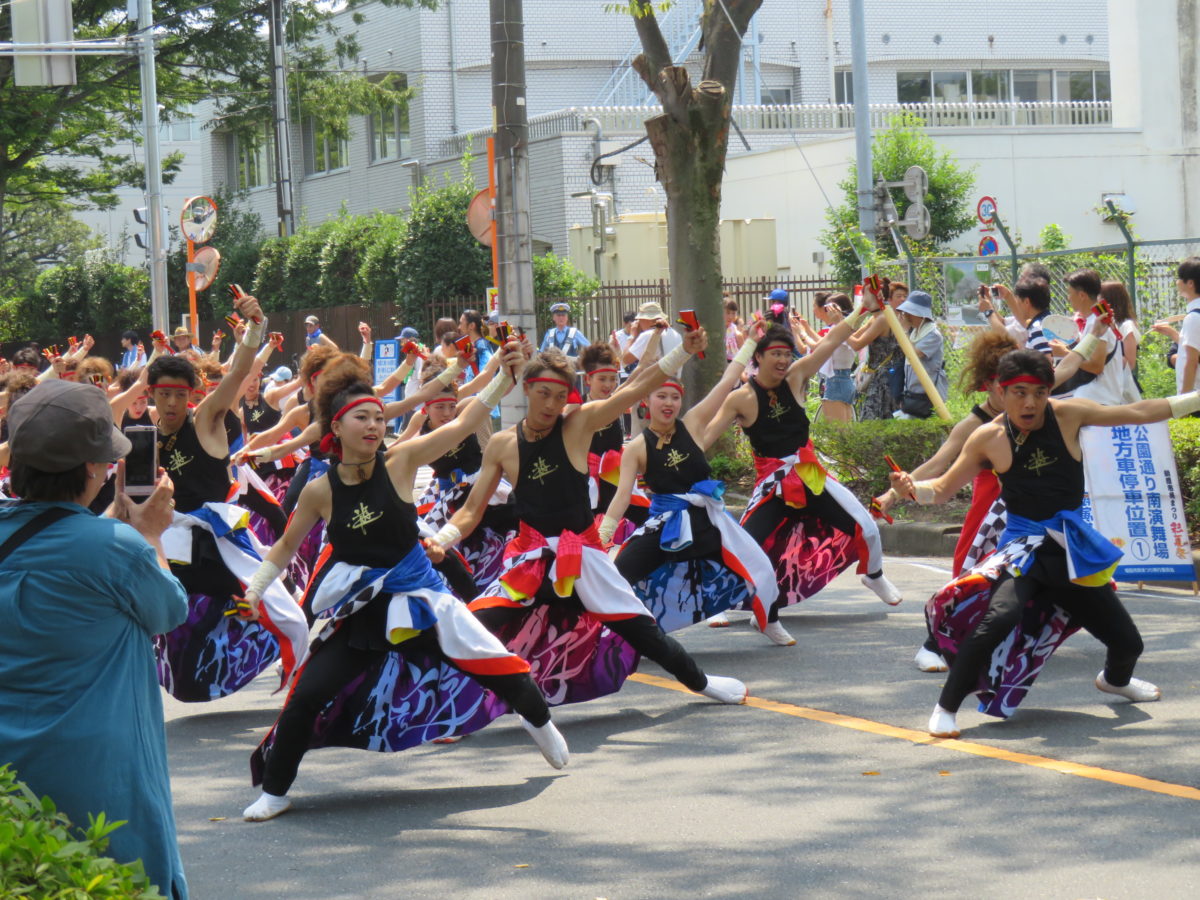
{"points": [[1133, 498]]}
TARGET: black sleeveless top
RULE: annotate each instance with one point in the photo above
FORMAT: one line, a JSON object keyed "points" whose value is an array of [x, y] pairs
{"points": [[199, 478], [980, 413], [677, 466], [1044, 478], [551, 495], [467, 456], [260, 417], [782, 424], [369, 524], [610, 437]]}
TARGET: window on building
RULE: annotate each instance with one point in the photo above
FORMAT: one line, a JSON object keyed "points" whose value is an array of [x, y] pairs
{"points": [[843, 87], [776, 97], [323, 150], [252, 159], [1033, 85], [950, 87], [1082, 85], [914, 87], [389, 133], [991, 86]]}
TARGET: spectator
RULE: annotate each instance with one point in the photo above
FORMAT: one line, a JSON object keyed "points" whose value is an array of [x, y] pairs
{"points": [[563, 336], [734, 336], [314, 335], [132, 355], [778, 303], [917, 315], [837, 402], [81, 716], [649, 317], [1189, 329], [181, 341], [471, 324], [881, 379], [623, 336]]}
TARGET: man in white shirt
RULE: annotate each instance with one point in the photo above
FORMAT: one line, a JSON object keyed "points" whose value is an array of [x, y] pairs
{"points": [[1189, 329], [648, 316]]}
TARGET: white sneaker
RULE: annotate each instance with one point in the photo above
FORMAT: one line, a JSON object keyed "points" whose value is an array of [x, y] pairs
{"points": [[930, 661], [726, 690], [943, 724], [776, 633], [267, 806], [550, 741], [1137, 690], [884, 589], [720, 620]]}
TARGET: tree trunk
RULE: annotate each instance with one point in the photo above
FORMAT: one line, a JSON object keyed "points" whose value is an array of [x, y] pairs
{"points": [[689, 161]]}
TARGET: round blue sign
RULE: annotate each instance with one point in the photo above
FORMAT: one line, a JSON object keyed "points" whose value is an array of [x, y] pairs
{"points": [[989, 247]]}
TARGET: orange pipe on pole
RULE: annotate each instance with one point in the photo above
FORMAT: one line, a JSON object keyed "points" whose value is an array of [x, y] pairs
{"points": [[491, 159], [191, 283]]}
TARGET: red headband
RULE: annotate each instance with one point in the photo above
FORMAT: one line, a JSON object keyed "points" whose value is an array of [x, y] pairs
{"points": [[170, 387], [672, 384], [1026, 379], [548, 381], [357, 402], [439, 400], [598, 371], [331, 444]]}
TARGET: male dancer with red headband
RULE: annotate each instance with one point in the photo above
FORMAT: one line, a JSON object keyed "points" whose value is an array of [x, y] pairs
{"points": [[211, 549], [810, 525], [1052, 573], [557, 555]]}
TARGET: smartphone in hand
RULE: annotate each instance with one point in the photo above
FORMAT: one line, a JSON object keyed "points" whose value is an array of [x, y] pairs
{"points": [[141, 465]]}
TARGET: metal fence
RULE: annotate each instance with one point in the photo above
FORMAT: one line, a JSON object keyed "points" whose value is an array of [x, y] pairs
{"points": [[599, 315]]}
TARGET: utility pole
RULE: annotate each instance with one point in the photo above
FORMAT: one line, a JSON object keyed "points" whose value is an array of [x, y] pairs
{"points": [[281, 119], [154, 200], [514, 237], [862, 122]]}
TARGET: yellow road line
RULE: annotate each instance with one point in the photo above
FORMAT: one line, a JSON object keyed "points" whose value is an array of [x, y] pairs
{"points": [[1095, 773]]}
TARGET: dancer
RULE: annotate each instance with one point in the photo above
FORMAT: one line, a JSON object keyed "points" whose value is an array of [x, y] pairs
{"points": [[691, 559], [557, 555], [401, 660], [211, 548], [1052, 573], [810, 525]]}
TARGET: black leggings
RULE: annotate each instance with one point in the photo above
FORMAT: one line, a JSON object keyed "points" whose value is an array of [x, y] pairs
{"points": [[641, 555], [764, 520], [640, 632], [1097, 609], [329, 670]]}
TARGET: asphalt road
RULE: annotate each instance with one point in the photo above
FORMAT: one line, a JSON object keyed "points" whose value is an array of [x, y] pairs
{"points": [[670, 795]]}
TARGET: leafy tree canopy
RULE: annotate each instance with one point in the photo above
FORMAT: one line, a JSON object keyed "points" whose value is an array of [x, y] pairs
{"points": [[905, 143]]}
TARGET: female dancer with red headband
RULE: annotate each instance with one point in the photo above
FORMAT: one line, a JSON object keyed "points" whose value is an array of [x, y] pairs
{"points": [[385, 601], [583, 648], [810, 525], [1001, 621], [691, 560]]}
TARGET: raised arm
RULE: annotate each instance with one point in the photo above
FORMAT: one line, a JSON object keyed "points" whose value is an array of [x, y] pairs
{"points": [[298, 417], [120, 403], [596, 414], [211, 411], [704, 412], [313, 499]]}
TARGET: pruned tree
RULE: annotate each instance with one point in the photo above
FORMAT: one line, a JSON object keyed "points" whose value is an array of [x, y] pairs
{"points": [[690, 140]]}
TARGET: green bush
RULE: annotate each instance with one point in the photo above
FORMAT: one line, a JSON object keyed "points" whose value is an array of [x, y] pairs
{"points": [[854, 453], [378, 275], [270, 275], [43, 854], [302, 272], [341, 258], [1185, 442], [438, 257]]}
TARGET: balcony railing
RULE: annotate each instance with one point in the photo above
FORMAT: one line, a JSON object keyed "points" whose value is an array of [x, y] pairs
{"points": [[816, 118]]}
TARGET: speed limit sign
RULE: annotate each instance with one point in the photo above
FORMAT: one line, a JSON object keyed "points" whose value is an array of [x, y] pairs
{"points": [[986, 210]]}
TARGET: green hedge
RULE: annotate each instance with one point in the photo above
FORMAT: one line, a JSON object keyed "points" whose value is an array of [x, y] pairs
{"points": [[44, 855]]}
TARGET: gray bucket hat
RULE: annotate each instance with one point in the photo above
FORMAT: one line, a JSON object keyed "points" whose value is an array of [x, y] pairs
{"points": [[918, 303], [60, 425]]}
